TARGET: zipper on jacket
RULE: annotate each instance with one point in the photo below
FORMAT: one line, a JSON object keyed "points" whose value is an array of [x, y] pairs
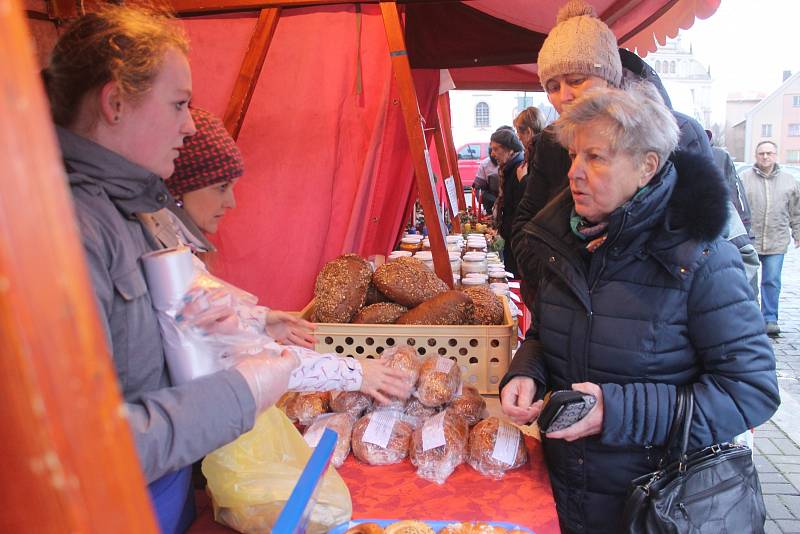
{"points": [[766, 213]]}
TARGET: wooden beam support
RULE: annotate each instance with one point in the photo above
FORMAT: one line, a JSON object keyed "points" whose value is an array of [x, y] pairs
{"points": [[416, 140], [617, 10], [250, 71], [69, 461]]}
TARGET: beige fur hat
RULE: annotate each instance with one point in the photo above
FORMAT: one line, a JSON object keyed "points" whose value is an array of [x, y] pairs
{"points": [[580, 43]]}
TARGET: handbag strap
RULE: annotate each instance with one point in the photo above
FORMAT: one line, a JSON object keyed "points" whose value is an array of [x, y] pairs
{"points": [[687, 425], [676, 427]]}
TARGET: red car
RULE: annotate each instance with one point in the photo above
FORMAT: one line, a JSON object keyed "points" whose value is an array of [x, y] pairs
{"points": [[469, 157]]}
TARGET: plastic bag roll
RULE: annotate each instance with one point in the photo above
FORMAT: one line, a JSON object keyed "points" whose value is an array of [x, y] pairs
{"points": [[169, 274]]}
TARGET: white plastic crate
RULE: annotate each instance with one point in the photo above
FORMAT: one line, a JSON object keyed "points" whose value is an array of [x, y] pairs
{"points": [[483, 352]]}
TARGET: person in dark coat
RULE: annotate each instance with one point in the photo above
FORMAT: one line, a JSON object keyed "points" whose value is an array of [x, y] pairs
{"points": [[638, 294], [510, 155]]}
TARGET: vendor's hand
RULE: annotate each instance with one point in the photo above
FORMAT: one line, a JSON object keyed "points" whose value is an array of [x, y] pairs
{"points": [[288, 329], [516, 399], [591, 424], [268, 377], [382, 382]]}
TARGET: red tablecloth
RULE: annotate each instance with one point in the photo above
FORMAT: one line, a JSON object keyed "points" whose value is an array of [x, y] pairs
{"points": [[523, 496]]}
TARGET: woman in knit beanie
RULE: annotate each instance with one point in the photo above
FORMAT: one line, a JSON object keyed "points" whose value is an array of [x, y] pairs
{"points": [[580, 52], [208, 167]]}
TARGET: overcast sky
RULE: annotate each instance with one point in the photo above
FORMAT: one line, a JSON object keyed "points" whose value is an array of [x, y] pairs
{"points": [[748, 43]]}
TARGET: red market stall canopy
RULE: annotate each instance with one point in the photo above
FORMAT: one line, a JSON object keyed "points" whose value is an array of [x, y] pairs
{"points": [[323, 124]]}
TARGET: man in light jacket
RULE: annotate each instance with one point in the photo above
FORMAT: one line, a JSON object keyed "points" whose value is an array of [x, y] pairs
{"points": [[774, 197]]}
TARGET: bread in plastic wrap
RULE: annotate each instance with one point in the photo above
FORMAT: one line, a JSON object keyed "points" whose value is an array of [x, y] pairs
{"points": [[355, 403], [493, 459], [409, 526], [342, 424], [469, 405], [417, 413], [394, 427], [306, 406], [439, 461], [404, 358], [366, 528], [439, 379], [286, 404]]}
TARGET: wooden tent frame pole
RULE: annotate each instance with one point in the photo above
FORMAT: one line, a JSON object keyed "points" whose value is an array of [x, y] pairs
{"points": [[250, 70], [416, 139], [69, 460]]}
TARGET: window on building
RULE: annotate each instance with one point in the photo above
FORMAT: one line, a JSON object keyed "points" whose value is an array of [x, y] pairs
{"points": [[796, 101], [794, 130], [672, 67], [470, 152], [658, 66], [482, 115], [793, 156], [766, 130]]}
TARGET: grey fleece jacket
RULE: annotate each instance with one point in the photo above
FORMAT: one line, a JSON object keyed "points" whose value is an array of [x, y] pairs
{"points": [[172, 426]]}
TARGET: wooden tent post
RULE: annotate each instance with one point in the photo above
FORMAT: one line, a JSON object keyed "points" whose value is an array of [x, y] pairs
{"points": [[444, 165], [416, 140], [250, 70], [69, 463]]}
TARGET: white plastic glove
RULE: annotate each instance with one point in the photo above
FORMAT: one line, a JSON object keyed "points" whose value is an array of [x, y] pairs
{"points": [[268, 377]]}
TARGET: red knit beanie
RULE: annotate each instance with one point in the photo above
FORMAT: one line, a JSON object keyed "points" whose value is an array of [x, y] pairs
{"points": [[208, 157]]}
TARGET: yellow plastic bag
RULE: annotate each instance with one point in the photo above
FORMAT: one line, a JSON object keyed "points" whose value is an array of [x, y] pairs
{"points": [[251, 478]]}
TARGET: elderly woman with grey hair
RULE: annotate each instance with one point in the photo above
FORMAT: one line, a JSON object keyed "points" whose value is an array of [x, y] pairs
{"points": [[637, 295]]}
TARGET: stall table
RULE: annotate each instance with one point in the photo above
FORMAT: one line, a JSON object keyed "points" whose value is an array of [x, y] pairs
{"points": [[523, 496]]}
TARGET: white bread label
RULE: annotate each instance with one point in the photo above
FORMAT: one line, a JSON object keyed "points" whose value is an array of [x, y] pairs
{"points": [[379, 428], [507, 443], [433, 432], [314, 432], [443, 365]]}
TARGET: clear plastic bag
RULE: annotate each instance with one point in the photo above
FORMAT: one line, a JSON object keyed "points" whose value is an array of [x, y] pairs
{"points": [[439, 446], [439, 379], [469, 405], [381, 437], [251, 478], [342, 424], [496, 446]]}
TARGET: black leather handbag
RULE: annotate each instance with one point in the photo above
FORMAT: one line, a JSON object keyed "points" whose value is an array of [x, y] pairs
{"points": [[715, 489]]}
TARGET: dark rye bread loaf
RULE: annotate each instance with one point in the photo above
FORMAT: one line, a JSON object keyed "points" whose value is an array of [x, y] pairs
{"points": [[450, 307], [380, 313], [407, 281], [488, 307], [341, 289]]}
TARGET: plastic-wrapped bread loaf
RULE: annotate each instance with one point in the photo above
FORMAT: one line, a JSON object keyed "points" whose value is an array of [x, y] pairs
{"points": [[380, 313], [438, 381], [409, 526], [305, 407], [341, 289], [407, 281], [439, 445], [450, 307], [381, 438], [488, 306], [495, 447], [354, 403], [418, 413], [469, 405], [342, 424]]}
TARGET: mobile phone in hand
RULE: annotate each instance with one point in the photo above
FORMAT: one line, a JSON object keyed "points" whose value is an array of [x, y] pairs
{"points": [[563, 409]]}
